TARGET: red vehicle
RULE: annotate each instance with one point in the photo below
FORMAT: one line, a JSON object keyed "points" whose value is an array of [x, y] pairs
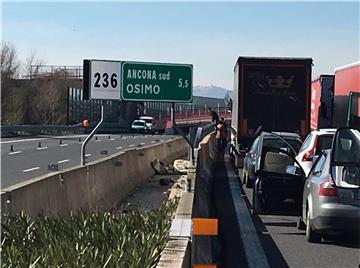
{"points": [[346, 105], [270, 94], [322, 91], [335, 99]]}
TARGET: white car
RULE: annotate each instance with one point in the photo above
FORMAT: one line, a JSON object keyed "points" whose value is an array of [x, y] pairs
{"points": [[139, 126], [315, 143]]}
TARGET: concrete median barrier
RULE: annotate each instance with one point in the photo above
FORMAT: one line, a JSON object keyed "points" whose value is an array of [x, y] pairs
{"points": [[205, 245], [98, 186]]}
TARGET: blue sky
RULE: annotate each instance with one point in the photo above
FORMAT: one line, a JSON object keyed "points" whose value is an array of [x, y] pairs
{"points": [[209, 35]]}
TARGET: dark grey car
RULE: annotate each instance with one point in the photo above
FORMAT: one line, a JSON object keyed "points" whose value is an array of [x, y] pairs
{"points": [[267, 140], [272, 184], [331, 196]]}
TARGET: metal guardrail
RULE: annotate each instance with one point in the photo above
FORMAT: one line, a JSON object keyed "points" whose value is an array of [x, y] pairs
{"points": [[40, 129], [77, 128]]}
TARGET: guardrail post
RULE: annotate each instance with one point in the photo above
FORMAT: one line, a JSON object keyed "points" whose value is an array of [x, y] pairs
{"points": [[83, 146]]}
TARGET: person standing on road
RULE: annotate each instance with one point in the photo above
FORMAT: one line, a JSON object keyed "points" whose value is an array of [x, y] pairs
{"points": [[224, 137], [214, 116], [221, 134]]}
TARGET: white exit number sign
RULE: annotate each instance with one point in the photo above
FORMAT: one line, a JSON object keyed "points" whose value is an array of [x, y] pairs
{"points": [[102, 79]]}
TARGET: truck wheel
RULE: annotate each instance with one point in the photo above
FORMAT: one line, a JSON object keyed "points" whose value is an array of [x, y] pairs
{"points": [[311, 235]]}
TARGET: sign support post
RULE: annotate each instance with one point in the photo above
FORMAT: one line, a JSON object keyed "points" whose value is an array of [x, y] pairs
{"points": [[173, 113], [83, 146]]}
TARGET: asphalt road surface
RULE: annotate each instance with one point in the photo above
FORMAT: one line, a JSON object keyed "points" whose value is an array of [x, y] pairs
{"points": [[286, 246], [30, 157]]}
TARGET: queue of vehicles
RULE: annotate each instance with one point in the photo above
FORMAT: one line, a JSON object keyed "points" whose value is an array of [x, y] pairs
{"points": [[143, 125], [273, 110]]}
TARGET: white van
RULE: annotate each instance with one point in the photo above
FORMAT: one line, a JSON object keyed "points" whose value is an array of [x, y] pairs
{"points": [[148, 121]]}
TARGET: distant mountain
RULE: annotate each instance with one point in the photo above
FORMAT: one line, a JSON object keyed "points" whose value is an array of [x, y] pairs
{"points": [[210, 91]]}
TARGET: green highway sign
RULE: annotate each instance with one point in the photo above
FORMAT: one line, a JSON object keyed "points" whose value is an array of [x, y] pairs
{"points": [[156, 82]]}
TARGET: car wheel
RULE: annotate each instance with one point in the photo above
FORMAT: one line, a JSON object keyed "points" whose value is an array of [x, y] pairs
{"points": [[248, 182], [231, 153], [311, 235], [244, 177], [300, 225], [257, 199]]}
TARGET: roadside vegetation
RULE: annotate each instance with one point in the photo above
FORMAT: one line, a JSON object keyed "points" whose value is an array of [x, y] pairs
{"points": [[29, 96], [132, 239]]}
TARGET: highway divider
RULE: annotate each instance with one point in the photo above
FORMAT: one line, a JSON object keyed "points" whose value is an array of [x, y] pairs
{"points": [[205, 244], [99, 186], [193, 234]]}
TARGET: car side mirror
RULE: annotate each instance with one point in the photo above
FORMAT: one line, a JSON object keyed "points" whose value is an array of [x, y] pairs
{"points": [[293, 170]]}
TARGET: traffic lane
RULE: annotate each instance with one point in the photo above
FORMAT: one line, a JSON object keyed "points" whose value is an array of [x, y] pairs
{"points": [[33, 162], [231, 251], [20, 144], [286, 246]]}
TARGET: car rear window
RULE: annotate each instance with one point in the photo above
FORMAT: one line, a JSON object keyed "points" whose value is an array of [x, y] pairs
{"points": [[346, 158], [277, 143], [324, 142], [347, 147], [138, 123]]}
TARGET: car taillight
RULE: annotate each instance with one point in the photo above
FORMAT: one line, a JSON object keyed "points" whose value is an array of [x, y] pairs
{"points": [[328, 188]]}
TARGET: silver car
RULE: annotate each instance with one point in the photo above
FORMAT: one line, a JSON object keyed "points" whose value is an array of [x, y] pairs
{"points": [[331, 197]]}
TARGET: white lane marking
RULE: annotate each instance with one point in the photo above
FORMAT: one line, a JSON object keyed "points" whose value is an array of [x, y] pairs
{"points": [[87, 155], [131, 145], [63, 145], [42, 148], [63, 161], [153, 141], [143, 143], [118, 148], [17, 152], [161, 140], [50, 138], [31, 169], [253, 248], [112, 139], [97, 140]]}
